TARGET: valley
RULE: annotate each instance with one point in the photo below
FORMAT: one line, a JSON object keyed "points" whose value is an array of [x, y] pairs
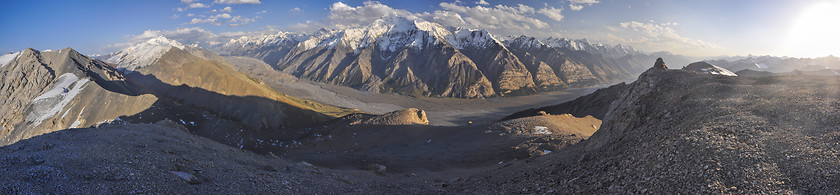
{"points": [[442, 111]]}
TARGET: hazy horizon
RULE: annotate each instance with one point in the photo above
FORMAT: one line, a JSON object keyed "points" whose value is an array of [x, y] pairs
{"points": [[697, 28]]}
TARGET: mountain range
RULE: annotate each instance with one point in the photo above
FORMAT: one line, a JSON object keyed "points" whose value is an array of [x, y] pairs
{"points": [[419, 58]]}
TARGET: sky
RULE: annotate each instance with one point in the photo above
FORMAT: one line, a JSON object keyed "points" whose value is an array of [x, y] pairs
{"points": [[802, 28]]}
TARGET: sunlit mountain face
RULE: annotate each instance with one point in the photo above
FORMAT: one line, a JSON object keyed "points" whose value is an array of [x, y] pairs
{"points": [[420, 97]]}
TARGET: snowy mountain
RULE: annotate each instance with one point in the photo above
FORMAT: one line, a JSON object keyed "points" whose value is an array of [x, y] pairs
{"points": [[777, 64], [143, 54], [413, 57]]}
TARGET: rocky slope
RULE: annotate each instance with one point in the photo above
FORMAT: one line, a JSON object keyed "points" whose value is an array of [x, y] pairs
{"points": [[157, 158], [675, 131], [41, 92]]}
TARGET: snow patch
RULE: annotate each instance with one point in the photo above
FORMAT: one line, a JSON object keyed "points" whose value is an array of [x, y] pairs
{"points": [[541, 130], [54, 100], [6, 58], [718, 71], [75, 124]]}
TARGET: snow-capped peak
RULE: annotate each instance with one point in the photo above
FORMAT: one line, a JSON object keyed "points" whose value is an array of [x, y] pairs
{"points": [[389, 32], [268, 39], [143, 54], [472, 37], [525, 41]]}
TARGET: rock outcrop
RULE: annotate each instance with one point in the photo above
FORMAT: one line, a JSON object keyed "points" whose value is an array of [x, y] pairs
{"points": [[409, 116]]}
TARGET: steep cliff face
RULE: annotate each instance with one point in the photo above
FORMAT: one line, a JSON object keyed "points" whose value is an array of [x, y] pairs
{"points": [[574, 68], [48, 91]]}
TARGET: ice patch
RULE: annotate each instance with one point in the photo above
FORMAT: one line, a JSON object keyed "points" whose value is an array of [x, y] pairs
{"points": [[76, 124], [53, 101], [541, 130], [546, 151], [6, 58]]}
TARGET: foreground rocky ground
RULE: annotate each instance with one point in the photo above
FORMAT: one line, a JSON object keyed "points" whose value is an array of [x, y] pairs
{"points": [[669, 132], [679, 132]]}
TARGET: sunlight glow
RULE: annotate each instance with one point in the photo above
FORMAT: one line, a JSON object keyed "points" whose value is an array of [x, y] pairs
{"points": [[816, 32]]}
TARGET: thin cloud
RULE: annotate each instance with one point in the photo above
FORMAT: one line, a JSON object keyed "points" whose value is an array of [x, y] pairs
{"points": [[578, 5], [237, 2], [198, 5], [552, 13], [655, 37]]}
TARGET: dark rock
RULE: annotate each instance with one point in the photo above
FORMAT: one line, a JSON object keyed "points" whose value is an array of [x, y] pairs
{"points": [[189, 178], [377, 168], [660, 64]]}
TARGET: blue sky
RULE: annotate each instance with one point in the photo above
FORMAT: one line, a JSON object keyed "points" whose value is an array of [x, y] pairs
{"points": [[803, 28]]}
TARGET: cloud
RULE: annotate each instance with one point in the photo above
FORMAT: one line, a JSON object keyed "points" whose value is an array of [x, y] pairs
{"points": [[294, 10], [578, 4], [237, 2], [216, 19], [175, 16], [655, 37], [307, 26], [227, 9], [552, 13], [499, 19], [506, 19], [187, 1], [261, 12], [198, 5], [189, 36], [344, 15], [482, 2], [239, 21]]}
